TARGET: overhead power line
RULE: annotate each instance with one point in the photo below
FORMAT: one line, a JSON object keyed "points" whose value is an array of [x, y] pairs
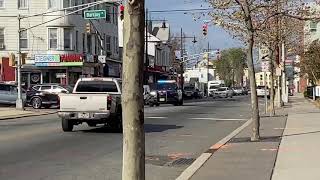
{"points": [[181, 10]]}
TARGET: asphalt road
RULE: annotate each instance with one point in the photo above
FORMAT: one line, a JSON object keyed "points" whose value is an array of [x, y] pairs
{"points": [[37, 149]]}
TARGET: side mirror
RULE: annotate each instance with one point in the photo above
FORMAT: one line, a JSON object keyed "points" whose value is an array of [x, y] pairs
{"points": [[64, 91]]}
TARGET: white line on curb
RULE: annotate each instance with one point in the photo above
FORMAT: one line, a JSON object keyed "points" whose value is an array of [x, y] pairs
{"points": [[199, 162]]}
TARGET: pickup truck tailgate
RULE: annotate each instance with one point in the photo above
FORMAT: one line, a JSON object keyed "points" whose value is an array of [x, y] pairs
{"points": [[83, 102]]}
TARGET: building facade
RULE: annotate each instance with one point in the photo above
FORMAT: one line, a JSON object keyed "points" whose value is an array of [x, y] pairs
{"points": [[59, 46]]}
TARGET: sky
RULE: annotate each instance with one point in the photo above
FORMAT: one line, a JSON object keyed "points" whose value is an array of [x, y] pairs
{"points": [[217, 37]]}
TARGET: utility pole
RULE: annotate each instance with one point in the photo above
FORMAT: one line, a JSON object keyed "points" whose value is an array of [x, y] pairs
{"points": [[146, 51], [133, 165], [19, 102], [182, 62]]}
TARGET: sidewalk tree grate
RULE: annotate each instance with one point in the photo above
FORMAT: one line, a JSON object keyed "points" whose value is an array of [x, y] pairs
{"points": [[181, 162]]}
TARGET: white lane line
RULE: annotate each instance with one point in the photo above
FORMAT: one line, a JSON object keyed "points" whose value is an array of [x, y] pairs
{"points": [[156, 117], [219, 119]]}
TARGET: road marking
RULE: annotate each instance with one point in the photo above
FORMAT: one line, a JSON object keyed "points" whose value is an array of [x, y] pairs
{"points": [[219, 119], [156, 117], [202, 159]]}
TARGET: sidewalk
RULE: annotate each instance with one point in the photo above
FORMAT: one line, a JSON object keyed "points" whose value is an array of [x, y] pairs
{"points": [[298, 156], [12, 113], [242, 159]]}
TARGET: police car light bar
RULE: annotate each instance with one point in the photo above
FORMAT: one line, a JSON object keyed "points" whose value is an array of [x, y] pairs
{"points": [[166, 81]]}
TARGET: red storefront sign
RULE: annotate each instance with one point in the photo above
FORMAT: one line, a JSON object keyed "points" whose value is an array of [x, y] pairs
{"points": [[71, 58]]}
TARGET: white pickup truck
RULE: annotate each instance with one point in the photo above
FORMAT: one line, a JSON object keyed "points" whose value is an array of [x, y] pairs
{"points": [[93, 101]]}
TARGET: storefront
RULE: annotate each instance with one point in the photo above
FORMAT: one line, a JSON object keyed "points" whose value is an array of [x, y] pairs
{"points": [[61, 69]]}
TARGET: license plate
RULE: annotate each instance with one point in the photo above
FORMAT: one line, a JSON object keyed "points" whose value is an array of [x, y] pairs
{"points": [[83, 115], [162, 99]]}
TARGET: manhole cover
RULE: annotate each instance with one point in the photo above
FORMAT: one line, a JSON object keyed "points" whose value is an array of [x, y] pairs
{"points": [[181, 162]]}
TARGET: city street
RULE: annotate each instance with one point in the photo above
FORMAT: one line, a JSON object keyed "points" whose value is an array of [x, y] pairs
{"points": [[36, 148]]}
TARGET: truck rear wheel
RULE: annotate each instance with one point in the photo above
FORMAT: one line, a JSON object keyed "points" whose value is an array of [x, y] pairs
{"points": [[67, 125]]}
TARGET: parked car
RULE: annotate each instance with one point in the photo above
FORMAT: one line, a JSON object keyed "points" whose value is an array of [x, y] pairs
{"points": [[189, 92], [166, 92], [93, 101], [9, 94], [224, 92], [245, 91], [261, 91], [238, 91], [198, 94], [45, 95]]}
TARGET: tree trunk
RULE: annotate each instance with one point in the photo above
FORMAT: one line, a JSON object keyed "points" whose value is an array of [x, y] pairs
{"points": [[254, 99], [272, 92], [133, 167]]}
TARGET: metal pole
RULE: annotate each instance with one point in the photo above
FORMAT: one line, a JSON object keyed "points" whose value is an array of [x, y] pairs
{"points": [[146, 49], [284, 81], [265, 92], [182, 61], [208, 69], [19, 102]]}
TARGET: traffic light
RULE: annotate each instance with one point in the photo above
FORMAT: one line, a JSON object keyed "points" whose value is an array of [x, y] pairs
{"points": [[121, 12], [88, 28], [205, 29]]}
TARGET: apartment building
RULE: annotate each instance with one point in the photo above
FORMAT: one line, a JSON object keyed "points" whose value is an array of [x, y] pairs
{"points": [[58, 47]]}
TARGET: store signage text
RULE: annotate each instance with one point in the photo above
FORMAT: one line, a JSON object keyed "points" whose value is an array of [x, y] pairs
{"points": [[46, 58]]}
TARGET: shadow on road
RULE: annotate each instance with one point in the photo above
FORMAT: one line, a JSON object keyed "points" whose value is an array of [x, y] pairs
{"points": [[148, 128]]}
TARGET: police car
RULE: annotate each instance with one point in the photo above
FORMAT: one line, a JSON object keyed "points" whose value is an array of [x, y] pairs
{"points": [[166, 92]]}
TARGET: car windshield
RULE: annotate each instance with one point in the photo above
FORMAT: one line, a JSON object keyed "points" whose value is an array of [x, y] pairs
{"points": [[166, 86], [214, 87], [222, 89]]}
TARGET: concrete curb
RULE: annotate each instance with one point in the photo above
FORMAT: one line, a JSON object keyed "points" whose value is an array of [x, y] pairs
{"points": [[34, 114], [202, 159]]}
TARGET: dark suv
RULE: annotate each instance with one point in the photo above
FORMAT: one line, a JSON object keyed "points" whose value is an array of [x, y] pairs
{"points": [[166, 92], [45, 95]]}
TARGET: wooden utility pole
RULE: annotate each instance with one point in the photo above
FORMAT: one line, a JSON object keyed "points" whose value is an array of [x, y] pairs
{"points": [[133, 167]]}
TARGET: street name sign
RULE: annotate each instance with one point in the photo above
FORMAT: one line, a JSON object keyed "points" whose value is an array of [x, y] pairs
{"points": [[95, 14]]}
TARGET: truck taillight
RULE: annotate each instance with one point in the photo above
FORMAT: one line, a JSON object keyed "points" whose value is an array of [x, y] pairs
{"points": [[109, 102]]}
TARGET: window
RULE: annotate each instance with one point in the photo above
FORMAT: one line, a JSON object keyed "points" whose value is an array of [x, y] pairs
{"points": [[1, 38], [24, 39], [1, 3], [53, 38], [67, 34], [97, 86], [89, 44], [52, 4], [77, 41], [108, 14], [37, 88], [67, 3], [23, 4], [83, 43], [313, 26], [115, 13], [108, 43], [44, 88]]}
